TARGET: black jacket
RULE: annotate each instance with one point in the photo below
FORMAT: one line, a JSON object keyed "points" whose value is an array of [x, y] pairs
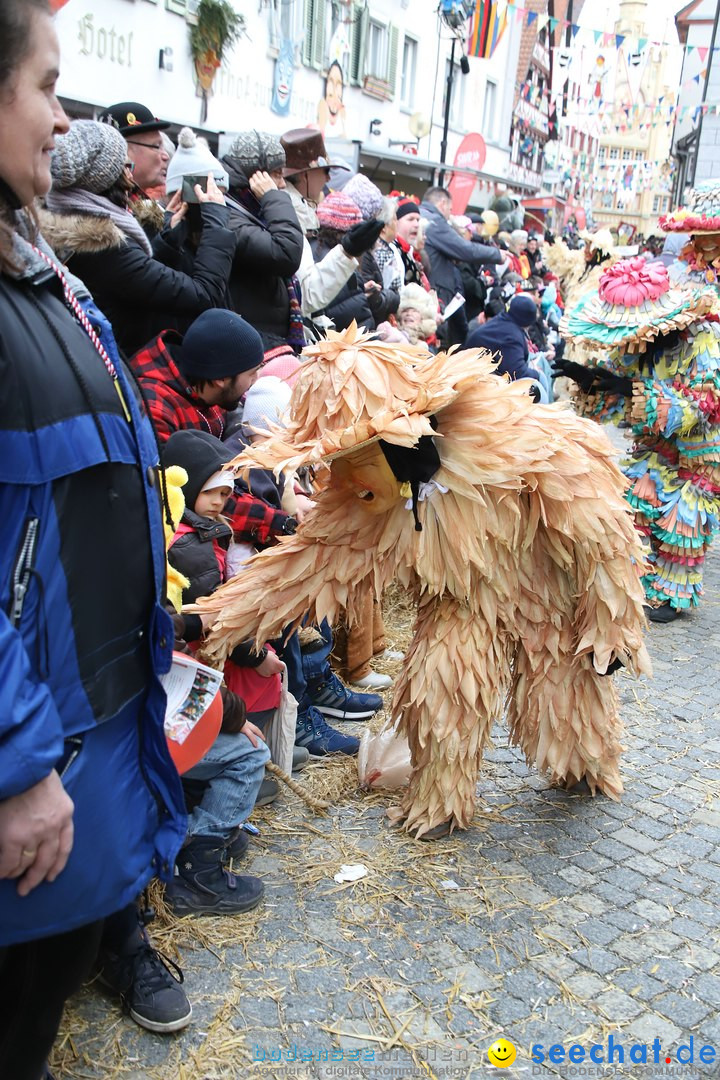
{"points": [[140, 295], [502, 335], [386, 301], [350, 303], [268, 251]]}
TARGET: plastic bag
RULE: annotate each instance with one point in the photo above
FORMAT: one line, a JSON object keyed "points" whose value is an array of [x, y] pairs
{"points": [[384, 759], [280, 732]]}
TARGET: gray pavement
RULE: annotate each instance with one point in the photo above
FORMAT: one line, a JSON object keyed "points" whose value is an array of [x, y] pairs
{"points": [[556, 920]]}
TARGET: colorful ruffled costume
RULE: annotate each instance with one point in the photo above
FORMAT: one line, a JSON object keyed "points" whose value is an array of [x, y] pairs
{"points": [[699, 260], [666, 341], [517, 545]]}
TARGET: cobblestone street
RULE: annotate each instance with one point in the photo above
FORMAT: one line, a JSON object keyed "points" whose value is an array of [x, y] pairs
{"points": [[557, 919]]}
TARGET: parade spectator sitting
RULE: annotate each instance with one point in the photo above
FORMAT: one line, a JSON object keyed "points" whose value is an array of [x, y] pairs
{"points": [[230, 774], [89, 225], [517, 242], [445, 248], [533, 253], [418, 315], [264, 287], [337, 214], [504, 335], [306, 173]]}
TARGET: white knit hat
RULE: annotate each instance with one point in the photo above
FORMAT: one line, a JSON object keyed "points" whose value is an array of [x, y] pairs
{"points": [[265, 403], [193, 158]]}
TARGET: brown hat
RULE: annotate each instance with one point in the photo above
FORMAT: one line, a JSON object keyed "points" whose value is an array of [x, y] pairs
{"points": [[305, 150]]}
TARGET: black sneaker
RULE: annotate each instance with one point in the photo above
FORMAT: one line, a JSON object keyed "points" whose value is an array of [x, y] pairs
{"points": [[334, 700], [202, 886], [148, 989]]}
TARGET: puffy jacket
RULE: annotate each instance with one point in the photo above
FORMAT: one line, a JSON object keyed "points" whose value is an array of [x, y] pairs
{"points": [[268, 250], [502, 335], [319, 281], [139, 294], [83, 636], [383, 302], [349, 303]]}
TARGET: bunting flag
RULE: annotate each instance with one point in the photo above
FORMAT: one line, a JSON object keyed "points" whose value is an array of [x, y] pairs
{"points": [[487, 26]]}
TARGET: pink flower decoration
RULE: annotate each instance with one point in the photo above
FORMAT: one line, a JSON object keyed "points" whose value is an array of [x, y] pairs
{"points": [[633, 281]]}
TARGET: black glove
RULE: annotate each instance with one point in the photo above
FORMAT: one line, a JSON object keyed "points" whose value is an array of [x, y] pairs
{"points": [[234, 712], [580, 374], [362, 237], [534, 392], [607, 382]]}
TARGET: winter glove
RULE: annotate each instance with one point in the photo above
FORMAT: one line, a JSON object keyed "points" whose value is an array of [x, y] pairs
{"points": [[362, 237], [607, 382], [534, 392], [580, 374], [234, 712]]}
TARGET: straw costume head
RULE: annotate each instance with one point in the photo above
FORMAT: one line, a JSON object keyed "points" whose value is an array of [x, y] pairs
{"points": [[523, 570]]}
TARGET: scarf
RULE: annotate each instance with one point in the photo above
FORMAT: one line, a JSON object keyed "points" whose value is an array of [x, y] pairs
{"points": [[385, 256], [75, 200]]}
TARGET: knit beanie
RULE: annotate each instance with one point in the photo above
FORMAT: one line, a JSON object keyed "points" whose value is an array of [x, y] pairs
{"points": [[522, 309], [366, 195], [265, 402], [337, 211], [200, 454], [193, 158], [257, 150], [218, 345], [283, 363], [407, 206], [90, 156]]}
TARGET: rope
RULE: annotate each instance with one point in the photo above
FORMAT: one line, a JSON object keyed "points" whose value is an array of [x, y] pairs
{"points": [[314, 804]]}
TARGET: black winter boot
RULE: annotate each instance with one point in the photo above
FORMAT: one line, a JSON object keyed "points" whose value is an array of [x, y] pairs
{"points": [[202, 886]]}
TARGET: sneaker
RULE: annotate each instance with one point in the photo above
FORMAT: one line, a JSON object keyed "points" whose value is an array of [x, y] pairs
{"points": [[373, 681], [393, 654], [202, 886], [268, 792], [300, 758], [148, 989], [333, 699], [319, 739]]}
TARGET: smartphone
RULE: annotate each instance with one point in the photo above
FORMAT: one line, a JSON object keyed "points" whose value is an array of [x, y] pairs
{"points": [[188, 187]]}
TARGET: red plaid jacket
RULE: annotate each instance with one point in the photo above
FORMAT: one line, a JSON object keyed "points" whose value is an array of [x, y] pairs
{"points": [[174, 407]]}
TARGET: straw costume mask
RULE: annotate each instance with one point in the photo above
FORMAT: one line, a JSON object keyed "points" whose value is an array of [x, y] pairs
{"points": [[523, 570], [662, 351]]}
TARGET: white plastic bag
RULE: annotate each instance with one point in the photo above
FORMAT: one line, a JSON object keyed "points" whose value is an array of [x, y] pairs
{"points": [[384, 759], [280, 732]]}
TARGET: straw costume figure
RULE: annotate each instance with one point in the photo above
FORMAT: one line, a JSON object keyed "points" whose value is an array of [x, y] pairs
{"points": [[661, 373], [506, 520]]}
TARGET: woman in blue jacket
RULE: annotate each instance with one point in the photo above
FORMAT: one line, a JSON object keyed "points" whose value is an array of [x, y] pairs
{"points": [[90, 804]]}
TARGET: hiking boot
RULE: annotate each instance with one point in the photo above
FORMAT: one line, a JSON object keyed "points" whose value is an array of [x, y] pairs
{"points": [[319, 739], [664, 613], [202, 886], [268, 792], [148, 989], [300, 758], [333, 699], [237, 844]]}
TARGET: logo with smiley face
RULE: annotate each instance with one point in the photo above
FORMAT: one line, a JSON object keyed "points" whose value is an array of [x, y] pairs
{"points": [[502, 1053]]}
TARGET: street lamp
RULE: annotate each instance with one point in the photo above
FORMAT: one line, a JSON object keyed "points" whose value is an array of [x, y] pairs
{"points": [[455, 14]]}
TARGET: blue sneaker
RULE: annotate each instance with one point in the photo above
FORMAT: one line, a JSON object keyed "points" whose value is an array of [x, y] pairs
{"points": [[333, 699], [319, 739]]}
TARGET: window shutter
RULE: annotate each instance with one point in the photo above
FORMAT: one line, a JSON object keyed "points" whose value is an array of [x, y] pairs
{"points": [[393, 35], [358, 42], [318, 34], [307, 45]]}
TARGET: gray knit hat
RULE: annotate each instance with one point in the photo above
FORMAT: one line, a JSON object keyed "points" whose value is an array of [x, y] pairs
{"points": [[91, 156], [257, 150]]}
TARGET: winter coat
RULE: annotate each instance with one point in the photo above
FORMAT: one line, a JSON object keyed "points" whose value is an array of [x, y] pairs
{"points": [[83, 636], [385, 302], [446, 248], [349, 303], [502, 335], [138, 293], [268, 251], [321, 281]]}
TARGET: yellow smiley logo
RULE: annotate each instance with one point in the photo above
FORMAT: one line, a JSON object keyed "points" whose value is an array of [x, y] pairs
{"points": [[502, 1053]]}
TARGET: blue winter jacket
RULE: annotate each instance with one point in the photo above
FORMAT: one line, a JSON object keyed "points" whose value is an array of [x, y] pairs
{"points": [[83, 636], [501, 335]]}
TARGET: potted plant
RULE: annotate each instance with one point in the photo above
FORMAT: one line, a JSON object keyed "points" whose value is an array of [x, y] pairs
{"points": [[217, 28]]}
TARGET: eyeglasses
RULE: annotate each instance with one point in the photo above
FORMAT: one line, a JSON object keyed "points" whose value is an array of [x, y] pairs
{"points": [[157, 147], [130, 166]]}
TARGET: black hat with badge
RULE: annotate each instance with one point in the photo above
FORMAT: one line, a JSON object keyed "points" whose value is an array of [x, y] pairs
{"points": [[130, 117]]}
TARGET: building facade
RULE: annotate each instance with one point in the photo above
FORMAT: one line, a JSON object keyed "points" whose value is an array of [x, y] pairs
{"points": [[696, 137]]}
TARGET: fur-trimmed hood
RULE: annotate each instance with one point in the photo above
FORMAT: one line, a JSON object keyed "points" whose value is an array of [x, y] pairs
{"points": [[80, 234]]}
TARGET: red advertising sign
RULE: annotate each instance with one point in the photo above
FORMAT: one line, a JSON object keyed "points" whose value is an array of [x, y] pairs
{"points": [[55, 5], [471, 154]]}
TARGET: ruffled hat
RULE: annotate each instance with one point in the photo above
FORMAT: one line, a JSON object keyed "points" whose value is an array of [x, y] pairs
{"points": [[702, 213], [634, 304]]}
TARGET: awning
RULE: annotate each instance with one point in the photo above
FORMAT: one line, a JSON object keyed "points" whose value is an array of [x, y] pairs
{"points": [[418, 167]]}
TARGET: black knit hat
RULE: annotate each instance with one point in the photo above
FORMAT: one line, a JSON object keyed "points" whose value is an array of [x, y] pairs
{"points": [[131, 117], [218, 345], [200, 454]]}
